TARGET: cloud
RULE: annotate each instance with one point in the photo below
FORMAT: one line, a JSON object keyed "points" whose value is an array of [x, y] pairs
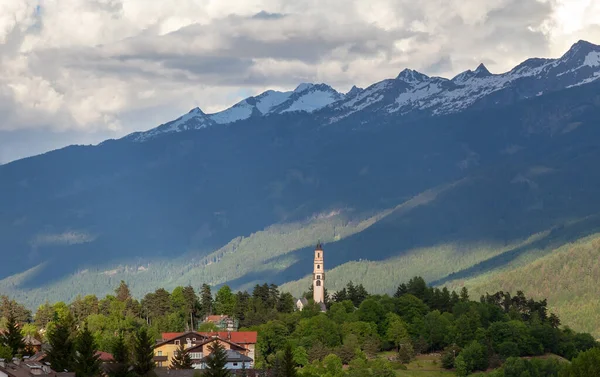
{"points": [[109, 67]]}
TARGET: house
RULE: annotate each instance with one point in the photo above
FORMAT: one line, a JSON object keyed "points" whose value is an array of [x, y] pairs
{"points": [[302, 302], [32, 343], [28, 368], [166, 348], [236, 354], [223, 322], [246, 339], [196, 343], [235, 360]]}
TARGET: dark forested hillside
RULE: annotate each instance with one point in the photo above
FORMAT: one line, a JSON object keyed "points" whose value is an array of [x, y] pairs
{"points": [[242, 202]]}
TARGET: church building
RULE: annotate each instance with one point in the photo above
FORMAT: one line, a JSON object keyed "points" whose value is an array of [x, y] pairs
{"points": [[318, 281]]}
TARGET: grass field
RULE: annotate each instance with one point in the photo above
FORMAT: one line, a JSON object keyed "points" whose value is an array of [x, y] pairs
{"points": [[422, 366]]}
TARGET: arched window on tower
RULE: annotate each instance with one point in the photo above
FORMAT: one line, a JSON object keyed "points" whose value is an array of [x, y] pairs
{"points": [[318, 266], [318, 255], [318, 283]]}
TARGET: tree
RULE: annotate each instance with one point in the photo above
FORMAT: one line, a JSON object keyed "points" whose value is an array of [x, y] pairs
{"points": [[288, 365], [206, 300], [464, 294], [397, 332], [60, 338], [406, 352], [144, 353], [224, 301], [216, 361], [181, 359], [122, 292], [300, 356], [12, 336], [587, 363], [120, 357], [86, 361]]}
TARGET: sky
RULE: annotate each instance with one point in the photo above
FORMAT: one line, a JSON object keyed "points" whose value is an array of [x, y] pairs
{"points": [[82, 71]]}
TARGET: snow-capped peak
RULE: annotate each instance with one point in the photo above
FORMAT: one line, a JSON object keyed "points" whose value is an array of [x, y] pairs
{"points": [[411, 92], [410, 76], [302, 87], [482, 71], [353, 91]]}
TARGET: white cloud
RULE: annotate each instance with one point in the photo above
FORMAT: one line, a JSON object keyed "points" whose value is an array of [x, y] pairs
{"points": [[115, 66]]}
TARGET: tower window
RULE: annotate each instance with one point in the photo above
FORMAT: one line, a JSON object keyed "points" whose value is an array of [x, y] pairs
{"points": [[318, 255], [318, 277], [318, 266], [318, 283]]}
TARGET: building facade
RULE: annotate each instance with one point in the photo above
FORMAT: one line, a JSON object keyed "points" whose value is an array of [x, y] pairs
{"points": [[319, 275], [196, 344]]}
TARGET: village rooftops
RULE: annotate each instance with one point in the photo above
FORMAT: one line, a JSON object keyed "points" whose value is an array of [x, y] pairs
{"points": [[239, 337], [28, 368]]}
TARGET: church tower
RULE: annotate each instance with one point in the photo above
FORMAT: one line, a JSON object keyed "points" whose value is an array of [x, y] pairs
{"points": [[319, 275]]}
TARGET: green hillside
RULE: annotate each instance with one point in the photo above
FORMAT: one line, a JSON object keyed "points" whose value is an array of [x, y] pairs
{"points": [[568, 277]]}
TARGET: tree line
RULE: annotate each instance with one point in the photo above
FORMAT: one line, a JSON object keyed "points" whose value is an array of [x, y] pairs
{"points": [[471, 335]]}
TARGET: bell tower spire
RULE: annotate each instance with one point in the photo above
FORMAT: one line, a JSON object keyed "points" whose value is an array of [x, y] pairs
{"points": [[319, 275]]}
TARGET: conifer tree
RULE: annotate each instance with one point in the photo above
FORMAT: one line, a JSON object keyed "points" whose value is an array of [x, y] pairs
{"points": [[216, 362], [120, 357], [12, 337], [206, 300], [144, 353], [60, 339], [123, 293], [86, 361], [182, 359], [243, 371], [288, 365]]}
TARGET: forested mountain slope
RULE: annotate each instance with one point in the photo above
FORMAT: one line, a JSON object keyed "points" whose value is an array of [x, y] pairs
{"points": [[446, 196]]}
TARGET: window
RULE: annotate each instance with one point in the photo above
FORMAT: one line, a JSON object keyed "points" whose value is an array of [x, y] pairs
{"points": [[194, 339], [187, 340], [177, 342], [159, 353], [318, 266], [196, 355], [318, 283], [318, 255], [235, 364], [160, 364], [318, 277]]}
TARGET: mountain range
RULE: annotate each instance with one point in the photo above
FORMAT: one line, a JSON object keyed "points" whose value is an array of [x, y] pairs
{"points": [[450, 179]]}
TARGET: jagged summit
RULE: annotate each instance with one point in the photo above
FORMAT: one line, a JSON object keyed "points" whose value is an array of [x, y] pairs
{"points": [[411, 76], [410, 92], [303, 86], [353, 91], [482, 71]]}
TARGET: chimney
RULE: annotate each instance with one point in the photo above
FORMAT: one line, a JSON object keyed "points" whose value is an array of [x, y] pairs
{"points": [[228, 335], [2, 363], [16, 361]]}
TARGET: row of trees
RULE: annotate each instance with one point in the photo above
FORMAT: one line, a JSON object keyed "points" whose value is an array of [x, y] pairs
{"points": [[471, 335]]}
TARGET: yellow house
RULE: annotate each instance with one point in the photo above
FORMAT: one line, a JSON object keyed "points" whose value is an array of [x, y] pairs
{"points": [[197, 345], [165, 350]]}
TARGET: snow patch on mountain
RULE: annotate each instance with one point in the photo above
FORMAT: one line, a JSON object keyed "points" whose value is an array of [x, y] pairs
{"points": [[240, 111], [592, 59], [269, 99], [312, 101], [409, 92]]}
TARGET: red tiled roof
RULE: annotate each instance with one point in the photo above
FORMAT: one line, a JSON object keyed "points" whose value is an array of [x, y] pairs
{"points": [[240, 337], [216, 318], [104, 356]]}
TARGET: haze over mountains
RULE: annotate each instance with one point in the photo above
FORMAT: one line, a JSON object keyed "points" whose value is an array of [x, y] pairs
{"points": [[447, 178]]}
